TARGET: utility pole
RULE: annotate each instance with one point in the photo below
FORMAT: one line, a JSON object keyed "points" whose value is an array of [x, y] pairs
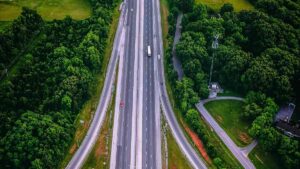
{"points": [[215, 45]]}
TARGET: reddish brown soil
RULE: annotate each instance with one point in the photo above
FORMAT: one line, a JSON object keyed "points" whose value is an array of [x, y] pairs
{"points": [[73, 148], [101, 146], [244, 137], [173, 167], [198, 144]]}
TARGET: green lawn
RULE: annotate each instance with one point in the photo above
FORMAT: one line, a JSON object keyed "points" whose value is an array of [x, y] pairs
{"points": [[227, 114], [48, 9], [237, 4], [263, 160]]}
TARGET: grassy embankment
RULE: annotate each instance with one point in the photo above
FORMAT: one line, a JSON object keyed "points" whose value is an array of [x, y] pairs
{"points": [[48, 9], [213, 138], [175, 157], [228, 114], [91, 105], [237, 4], [100, 154]]}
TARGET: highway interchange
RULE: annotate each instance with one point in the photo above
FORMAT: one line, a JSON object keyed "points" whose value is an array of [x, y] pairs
{"points": [[140, 96]]}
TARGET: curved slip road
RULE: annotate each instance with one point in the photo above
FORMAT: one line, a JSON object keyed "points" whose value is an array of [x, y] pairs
{"points": [[183, 143], [236, 151]]}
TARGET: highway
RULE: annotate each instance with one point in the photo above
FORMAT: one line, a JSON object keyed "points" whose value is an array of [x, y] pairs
{"points": [[236, 151], [123, 144], [183, 143], [151, 148], [88, 142], [141, 85]]}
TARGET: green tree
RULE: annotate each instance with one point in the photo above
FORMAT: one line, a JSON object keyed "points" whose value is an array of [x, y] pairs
{"points": [[227, 7], [35, 141], [185, 6], [260, 76], [184, 92]]}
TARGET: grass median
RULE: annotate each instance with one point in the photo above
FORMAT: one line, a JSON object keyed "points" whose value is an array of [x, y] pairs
{"points": [[99, 157], [175, 157]]}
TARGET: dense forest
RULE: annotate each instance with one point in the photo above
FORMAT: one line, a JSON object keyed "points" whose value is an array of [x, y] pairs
{"points": [[39, 102], [258, 56]]}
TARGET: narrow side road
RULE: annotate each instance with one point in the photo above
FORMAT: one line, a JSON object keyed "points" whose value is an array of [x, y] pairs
{"points": [[236, 151]]}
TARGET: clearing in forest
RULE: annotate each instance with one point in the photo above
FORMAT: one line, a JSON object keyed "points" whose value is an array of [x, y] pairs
{"points": [[228, 114], [48, 9], [237, 4]]}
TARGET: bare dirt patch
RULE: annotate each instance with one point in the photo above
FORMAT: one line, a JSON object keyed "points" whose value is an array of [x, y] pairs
{"points": [[101, 148], [198, 144], [244, 137], [73, 148], [173, 167]]}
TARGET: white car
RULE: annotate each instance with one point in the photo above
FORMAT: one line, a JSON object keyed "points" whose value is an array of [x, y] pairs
{"points": [[149, 51]]}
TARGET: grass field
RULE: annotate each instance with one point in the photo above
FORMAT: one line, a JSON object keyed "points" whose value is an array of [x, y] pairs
{"points": [[237, 4], [227, 114], [48, 9], [263, 160]]}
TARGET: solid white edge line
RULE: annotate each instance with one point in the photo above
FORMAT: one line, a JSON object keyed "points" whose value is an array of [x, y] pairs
{"points": [[134, 99], [156, 83], [117, 103]]}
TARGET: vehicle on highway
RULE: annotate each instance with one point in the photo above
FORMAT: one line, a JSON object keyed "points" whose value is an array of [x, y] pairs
{"points": [[158, 56], [121, 104], [149, 50]]}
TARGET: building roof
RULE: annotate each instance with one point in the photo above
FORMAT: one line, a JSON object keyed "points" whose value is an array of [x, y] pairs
{"points": [[285, 112], [288, 127]]}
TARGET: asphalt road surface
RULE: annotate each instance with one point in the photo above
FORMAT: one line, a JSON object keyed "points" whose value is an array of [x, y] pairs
{"points": [[236, 151], [123, 154], [149, 93]]}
